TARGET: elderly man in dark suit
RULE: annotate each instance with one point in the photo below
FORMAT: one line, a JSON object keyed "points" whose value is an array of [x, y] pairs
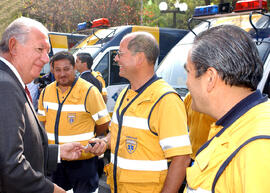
{"points": [[25, 156]]}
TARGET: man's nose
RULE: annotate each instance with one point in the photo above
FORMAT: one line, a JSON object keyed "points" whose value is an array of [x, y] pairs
{"points": [[45, 58], [62, 73]]}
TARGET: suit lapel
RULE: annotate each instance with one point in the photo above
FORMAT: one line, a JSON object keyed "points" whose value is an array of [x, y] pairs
{"points": [[40, 128], [5, 68]]}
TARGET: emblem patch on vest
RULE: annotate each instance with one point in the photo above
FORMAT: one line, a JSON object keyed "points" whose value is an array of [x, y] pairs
{"points": [[131, 144], [71, 117]]}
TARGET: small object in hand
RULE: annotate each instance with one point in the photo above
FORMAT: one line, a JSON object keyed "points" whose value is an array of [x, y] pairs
{"points": [[92, 145]]}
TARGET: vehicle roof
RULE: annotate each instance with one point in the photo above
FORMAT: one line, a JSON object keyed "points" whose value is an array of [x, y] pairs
{"points": [[262, 40], [166, 37], [239, 19], [67, 34], [163, 33]]}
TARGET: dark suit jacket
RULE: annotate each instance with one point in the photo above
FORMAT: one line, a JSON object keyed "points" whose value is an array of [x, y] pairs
{"points": [[88, 76], [25, 155]]}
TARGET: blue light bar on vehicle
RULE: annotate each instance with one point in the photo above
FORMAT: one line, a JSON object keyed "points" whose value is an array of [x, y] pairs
{"points": [[83, 26], [102, 22], [205, 10]]}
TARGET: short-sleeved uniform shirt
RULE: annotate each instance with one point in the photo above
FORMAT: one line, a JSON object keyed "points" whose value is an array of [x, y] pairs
{"points": [[82, 108], [153, 130], [249, 170], [199, 125]]}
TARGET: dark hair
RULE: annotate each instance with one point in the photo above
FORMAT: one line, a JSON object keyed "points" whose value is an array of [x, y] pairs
{"points": [[232, 52], [146, 43], [86, 57], [63, 55]]}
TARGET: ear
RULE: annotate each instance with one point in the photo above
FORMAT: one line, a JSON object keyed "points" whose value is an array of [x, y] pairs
{"points": [[12, 44], [140, 57], [212, 77]]}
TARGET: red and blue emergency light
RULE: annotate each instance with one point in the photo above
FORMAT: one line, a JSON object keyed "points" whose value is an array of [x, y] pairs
{"points": [[242, 5], [247, 5], [205, 10], [102, 22]]}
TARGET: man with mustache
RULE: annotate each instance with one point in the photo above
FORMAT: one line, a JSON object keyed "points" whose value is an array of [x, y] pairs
{"points": [[73, 110]]}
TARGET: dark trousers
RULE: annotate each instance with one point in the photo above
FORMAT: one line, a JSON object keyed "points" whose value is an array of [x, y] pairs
{"points": [[81, 175]]}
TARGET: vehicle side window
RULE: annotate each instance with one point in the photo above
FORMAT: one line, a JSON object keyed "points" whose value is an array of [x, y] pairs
{"points": [[115, 79], [264, 50], [266, 89], [103, 67]]}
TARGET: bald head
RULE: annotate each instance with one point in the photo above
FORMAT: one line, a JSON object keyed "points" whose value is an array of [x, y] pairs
{"points": [[20, 29], [143, 42]]}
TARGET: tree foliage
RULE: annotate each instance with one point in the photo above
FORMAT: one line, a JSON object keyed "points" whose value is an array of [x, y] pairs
{"points": [[64, 15], [10, 10], [153, 17]]}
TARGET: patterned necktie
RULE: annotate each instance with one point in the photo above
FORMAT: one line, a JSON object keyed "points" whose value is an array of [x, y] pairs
{"points": [[28, 93]]}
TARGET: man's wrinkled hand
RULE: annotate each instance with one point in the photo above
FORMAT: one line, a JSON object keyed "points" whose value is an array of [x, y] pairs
{"points": [[98, 146], [71, 151]]}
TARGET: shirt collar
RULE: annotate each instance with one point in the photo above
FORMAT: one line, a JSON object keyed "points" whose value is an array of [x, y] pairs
{"points": [[149, 82], [241, 108], [85, 72], [14, 70]]}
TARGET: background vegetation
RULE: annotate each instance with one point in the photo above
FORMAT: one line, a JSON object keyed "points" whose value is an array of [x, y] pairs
{"points": [[64, 15], [9, 10]]}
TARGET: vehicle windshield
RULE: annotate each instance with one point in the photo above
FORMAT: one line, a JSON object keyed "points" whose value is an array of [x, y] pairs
{"points": [[92, 50], [172, 68], [101, 36], [98, 38]]}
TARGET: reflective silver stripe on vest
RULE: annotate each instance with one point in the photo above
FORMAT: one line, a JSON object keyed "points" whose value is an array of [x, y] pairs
{"points": [[172, 142], [41, 113], [140, 165], [133, 122], [71, 138], [100, 114], [199, 190], [71, 108]]}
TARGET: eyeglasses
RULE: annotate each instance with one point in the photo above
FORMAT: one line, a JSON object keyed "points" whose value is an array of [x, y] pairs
{"points": [[119, 53]]}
